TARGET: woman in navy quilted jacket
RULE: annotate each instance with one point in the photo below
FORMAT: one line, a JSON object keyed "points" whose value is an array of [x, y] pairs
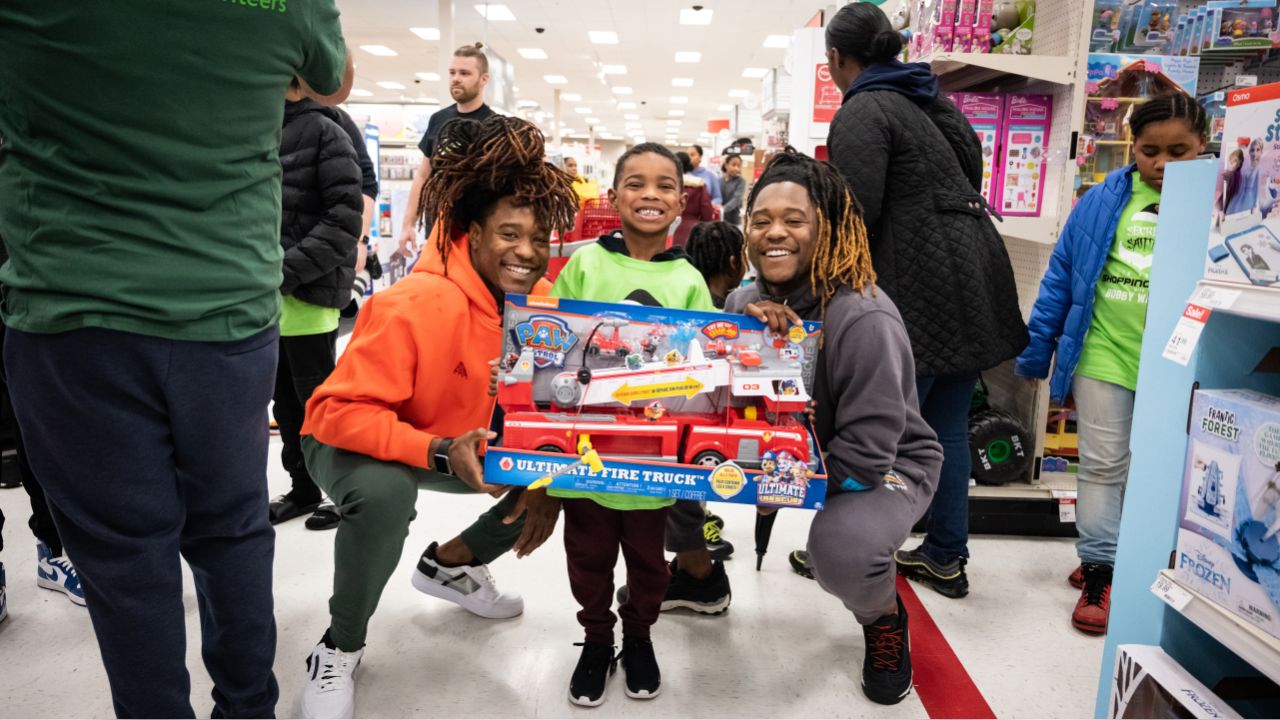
{"points": [[1091, 313]]}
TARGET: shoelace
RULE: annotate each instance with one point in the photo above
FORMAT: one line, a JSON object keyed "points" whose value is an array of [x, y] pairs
{"points": [[711, 532], [486, 578], [886, 649], [335, 674], [65, 567], [1097, 593]]}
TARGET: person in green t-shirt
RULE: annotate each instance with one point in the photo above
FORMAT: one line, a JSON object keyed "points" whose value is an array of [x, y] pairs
{"points": [[1091, 314], [141, 181]]}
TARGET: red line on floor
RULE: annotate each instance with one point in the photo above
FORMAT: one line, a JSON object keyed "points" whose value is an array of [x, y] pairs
{"points": [[944, 686]]}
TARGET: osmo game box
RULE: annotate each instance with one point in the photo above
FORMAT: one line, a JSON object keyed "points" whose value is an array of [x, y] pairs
{"points": [[641, 400], [1244, 239], [1228, 541]]}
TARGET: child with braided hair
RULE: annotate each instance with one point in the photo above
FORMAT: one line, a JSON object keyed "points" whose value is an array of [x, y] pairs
{"points": [[715, 249], [806, 238], [408, 404]]}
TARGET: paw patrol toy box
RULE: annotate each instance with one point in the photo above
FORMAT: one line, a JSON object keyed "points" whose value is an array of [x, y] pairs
{"points": [[651, 401], [1229, 535]]}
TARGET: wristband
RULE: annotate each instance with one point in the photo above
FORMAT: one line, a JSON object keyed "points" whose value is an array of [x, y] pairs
{"points": [[440, 461]]}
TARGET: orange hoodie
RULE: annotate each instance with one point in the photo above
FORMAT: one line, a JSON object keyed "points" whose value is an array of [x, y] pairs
{"points": [[417, 366]]}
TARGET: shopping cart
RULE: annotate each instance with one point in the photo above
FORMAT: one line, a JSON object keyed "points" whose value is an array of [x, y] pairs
{"points": [[595, 218]]}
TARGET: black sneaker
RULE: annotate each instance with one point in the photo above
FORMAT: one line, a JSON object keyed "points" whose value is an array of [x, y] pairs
{"points": [[719, 548], [948, 579], [709, 596], [714, 519], [644, 680], [886, 667], [591, 677], [799, 560]]}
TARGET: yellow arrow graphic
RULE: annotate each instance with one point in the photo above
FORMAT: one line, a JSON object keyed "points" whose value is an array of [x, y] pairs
{"points": [[628, 392]]}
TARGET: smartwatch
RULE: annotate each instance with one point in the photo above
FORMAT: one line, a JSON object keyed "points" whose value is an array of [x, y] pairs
{"points": [[440, 461]]}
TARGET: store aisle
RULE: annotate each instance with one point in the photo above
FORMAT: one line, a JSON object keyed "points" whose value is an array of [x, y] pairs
{"points": [[785, 649]]}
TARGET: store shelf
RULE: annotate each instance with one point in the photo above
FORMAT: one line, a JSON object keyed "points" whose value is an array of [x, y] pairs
{"points": [[1043, 229], [1259, 649], [1253, 301], [960, 71], [1050, 486]]}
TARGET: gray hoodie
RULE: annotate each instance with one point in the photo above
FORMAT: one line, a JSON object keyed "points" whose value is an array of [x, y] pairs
{"points": [[868, 416]]}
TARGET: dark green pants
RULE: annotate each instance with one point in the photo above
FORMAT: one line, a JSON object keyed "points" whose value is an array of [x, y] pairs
{"points": [[376, 501]]}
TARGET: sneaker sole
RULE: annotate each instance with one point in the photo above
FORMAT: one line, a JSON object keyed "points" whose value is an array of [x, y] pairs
{"points": [[928, 579], [588, 702], [643, 694], [427, 587], [716, 608], [890, 700], [57, 587], [1087, 628]]}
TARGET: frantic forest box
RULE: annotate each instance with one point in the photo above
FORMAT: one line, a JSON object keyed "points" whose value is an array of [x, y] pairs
{"points": [[639, 400]]}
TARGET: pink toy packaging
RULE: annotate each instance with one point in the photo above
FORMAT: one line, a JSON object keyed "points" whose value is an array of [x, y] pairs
{"points": [[1025, 140], [966, 13], [963, 39], [985, 112], [983, 11], [943, 31]]}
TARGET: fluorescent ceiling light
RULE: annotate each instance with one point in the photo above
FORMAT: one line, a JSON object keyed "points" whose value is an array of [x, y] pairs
{"points": [[428, 100], [379, 50], [613, 69], [496, 13], [727, 107], [738, 93], [426, 33], [555, 79], [389, 85], [571, 97], [634, 126], [688, 57], [532, 53], [602, 37], [780, 42], [754, 72], [622, 90], [357, 92], [527, 104], [674, 123], [689, 16], [681, 82], [592, 121], [626, 106], [583, 110], [676, 113], [679, 100], [631, 116], [429, 77]]}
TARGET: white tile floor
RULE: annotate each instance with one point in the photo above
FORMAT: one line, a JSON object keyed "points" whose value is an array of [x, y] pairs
{"points": [[785, 649]]}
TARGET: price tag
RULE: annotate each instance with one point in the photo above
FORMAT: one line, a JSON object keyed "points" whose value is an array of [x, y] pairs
{"points": [[1246, 80], [1214, 297], [1063, 495], [1187, 334], [1067, 510], [1171, 593]]}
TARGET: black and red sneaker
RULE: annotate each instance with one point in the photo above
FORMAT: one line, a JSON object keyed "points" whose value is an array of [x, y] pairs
{"points": [[886, 667], [1094, 605]]}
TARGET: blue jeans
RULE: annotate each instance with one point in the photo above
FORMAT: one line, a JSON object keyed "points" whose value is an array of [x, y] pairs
{"points": [[1104, 421], [944, 403]]}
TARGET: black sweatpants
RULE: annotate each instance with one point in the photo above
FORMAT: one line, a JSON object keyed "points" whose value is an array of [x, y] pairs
{"points": [[41, 522], [305, 361], [152, 451]]}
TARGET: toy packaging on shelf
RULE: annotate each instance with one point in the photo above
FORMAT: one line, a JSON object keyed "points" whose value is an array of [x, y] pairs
{"points": [[649, 401], [1106, 25], [1017, 40], [1147, 683], [1243, 243], [1228, 548], [985, 112], [1244, 24], [1025, 143]]}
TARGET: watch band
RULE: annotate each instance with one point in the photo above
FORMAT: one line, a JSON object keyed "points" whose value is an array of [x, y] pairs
{"points": [[440, 461]]}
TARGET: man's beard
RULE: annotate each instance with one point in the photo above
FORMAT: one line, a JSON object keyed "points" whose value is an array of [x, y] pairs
{"points": [[462, 95]]}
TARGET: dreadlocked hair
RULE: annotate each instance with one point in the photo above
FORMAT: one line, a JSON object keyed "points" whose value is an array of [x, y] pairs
{"points": [[713, 247], [843, 254], [476, 164]]}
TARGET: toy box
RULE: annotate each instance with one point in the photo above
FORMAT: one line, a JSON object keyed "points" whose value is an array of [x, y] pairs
{"points": [[1228, 547], [943, 26], [1244, 24], [657, 402], [985, 113], [1154, 23], [1106, 25], [1243, 243], [1147, 683], [1024, 141], [983, 12]]}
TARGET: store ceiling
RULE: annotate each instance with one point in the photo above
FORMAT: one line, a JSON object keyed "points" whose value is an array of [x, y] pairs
{"points": [[649, 35]]}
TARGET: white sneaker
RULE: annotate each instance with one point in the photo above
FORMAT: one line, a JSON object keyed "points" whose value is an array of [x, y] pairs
{"points": [[470, 586], [331, 683]]}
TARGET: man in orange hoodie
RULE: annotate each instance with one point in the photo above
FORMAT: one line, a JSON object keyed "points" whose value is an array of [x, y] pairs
{"points": [[404, 409]]}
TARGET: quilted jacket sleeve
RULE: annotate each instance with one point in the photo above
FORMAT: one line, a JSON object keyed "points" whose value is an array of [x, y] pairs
{"points": [[859, 145], [1054, 301], [333, 239]]}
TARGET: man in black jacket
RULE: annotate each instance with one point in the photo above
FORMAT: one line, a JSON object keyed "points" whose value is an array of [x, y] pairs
{"points": [[320, 229]]}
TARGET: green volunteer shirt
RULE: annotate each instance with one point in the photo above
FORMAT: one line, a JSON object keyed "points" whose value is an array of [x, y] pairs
{"points": [[1114, 343], [139, 164], [598, 274], [298, 318]]}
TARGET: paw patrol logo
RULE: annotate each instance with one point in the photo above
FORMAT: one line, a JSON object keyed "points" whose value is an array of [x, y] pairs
{"points": [[721, 329], [549, 337], [783, 481]]}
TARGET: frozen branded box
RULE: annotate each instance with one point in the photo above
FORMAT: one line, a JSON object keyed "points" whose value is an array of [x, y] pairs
{"points": [[1244, 246], [641, 400], [1229, 534]]}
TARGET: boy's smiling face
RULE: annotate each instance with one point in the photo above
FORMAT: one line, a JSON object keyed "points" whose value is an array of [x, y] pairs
{"points": [[648, 194], [780, 240]]}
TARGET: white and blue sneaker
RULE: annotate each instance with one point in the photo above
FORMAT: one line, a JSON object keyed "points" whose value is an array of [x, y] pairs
{"points": [[4, 600], [58, 574]]}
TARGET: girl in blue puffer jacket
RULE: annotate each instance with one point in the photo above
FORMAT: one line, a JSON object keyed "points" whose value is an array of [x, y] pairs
{"points": [[1091, 311]]}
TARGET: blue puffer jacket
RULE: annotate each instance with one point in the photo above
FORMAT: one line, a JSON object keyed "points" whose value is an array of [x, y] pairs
{"points": [[1064, 309]]}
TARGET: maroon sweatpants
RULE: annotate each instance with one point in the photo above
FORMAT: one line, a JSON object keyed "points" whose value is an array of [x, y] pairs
{"points": [[592, 535]]}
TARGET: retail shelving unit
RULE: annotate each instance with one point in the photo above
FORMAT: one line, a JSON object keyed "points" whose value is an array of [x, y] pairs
{"points": [[1207, 640]]}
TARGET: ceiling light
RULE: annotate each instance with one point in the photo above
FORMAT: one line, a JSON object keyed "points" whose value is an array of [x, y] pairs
{"points": [[681, 82], [688, 57], [389, 85], [361, 93], [631, 116], [674, 123], [426, 33], [738, 93], [626, 106], [622, 90], [689, 16], [634, 125], [527, 104], [555, 79], [727, 107], [754, 72], [379, 50], [676, 113], [429, 77], [602, 37], [780, 42], [592, 121], [613, 69], [532, 53], [583, 110], [571, 97], [496, 13], [679, 100]]}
